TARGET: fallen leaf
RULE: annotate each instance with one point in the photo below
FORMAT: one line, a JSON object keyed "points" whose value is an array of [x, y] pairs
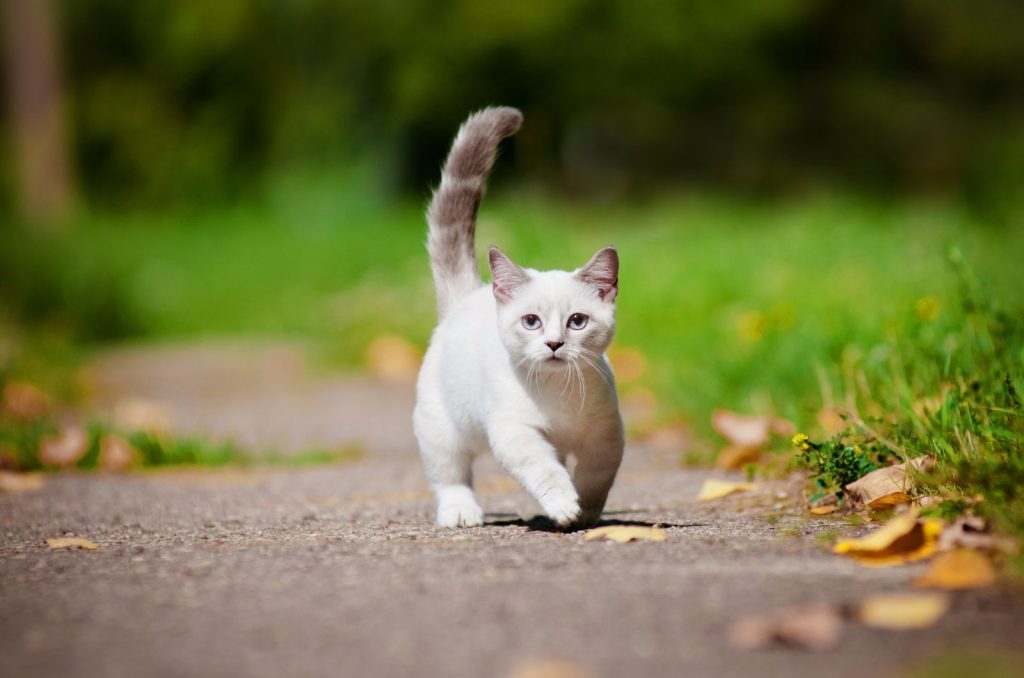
{"points": [[65, 448], [392, 358], [814, 627], [903, 539], [887, 486], [716, 489], [626, 533], [902, 611], [824, 510], [142, 414], [71, 542], [25, 401], [19, 482], [959, 569], [749, 431], [628, 363], [116, 453], [736, 457], [549, 668], [970, 532]]}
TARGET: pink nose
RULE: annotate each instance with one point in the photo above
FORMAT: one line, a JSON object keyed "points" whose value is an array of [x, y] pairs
{"points": [[555, 345]]}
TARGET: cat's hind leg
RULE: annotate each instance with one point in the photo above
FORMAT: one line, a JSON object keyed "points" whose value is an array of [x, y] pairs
{"points": [[449, 465]]}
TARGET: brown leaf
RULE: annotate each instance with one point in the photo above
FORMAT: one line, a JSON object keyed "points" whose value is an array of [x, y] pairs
{"points": [[626, 533], [813, 627], [65, 448], [959, 569], [71, 543], [716, 489], [392, 358], [903, 539], [736, 457], [887, 486], [19, 482], [902, 611], [749, 431], [116, 454], [25, 401], [970, 532]]}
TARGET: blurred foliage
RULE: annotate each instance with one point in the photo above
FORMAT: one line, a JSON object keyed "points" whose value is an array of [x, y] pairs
{"points": [[187, 100]]}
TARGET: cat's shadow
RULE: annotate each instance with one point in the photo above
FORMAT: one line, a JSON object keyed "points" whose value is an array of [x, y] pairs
{"points": [[544, 524]]}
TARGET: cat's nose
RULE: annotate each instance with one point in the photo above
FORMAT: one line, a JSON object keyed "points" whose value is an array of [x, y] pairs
{"points": [[555, 345]]}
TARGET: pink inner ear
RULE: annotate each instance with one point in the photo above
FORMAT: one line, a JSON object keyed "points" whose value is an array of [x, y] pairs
{"points": [[602, 272], [506, 276]]}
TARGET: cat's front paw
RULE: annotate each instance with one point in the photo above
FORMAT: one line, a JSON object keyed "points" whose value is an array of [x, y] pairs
{"points": [[561, 507], [452, 514], [587, 518]]}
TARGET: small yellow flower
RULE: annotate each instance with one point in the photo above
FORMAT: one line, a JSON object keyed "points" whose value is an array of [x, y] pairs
{"points": [[800, 440]]}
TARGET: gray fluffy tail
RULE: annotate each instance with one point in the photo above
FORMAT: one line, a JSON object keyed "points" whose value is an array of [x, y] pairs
{"points": [[452, 212]]}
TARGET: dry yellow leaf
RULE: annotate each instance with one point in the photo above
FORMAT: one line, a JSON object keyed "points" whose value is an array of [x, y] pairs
{"points": [[824, 510], [887, 486], [903, 539], [901, 611], [716, 489], [959, 569], [71, 542], [736, 456], [65, 448], [19, 482], [393, 358], [626, 533]]}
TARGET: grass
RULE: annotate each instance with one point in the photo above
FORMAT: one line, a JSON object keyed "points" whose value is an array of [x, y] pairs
{"points": [[762, 307]]}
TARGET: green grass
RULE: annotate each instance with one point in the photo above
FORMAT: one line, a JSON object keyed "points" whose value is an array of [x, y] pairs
{"points": [[758, 306]]}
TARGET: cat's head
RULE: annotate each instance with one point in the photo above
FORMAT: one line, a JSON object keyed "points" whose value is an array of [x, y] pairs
{"points": [[555, 318]]}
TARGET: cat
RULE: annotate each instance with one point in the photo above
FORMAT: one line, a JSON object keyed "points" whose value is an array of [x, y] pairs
{"points": [[518, 366]]}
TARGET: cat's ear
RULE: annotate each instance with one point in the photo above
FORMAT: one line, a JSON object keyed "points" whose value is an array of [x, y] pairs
{"points": [[602, 273], [506, 276]]}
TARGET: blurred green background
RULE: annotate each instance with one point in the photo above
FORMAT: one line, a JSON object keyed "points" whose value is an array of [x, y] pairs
{"points": [[783, 177]]}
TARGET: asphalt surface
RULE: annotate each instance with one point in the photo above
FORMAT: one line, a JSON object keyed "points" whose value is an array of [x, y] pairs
{"points": [[339, 571]]}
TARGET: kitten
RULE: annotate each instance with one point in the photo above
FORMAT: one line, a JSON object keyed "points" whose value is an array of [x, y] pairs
{"points": [[516, 367]]}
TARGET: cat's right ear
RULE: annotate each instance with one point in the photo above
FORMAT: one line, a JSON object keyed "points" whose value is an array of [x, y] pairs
{"points": [[506, 277]]}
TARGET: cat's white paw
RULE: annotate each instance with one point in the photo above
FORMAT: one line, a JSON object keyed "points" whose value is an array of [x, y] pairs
{"points": [[562, 507], [460, 513]]}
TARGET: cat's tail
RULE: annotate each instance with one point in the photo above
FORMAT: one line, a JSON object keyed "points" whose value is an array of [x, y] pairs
{"points": [[452, 212]]}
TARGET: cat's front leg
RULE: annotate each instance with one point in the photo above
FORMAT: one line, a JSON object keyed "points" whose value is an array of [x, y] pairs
{"points": [[596, 467], [529, 458]]}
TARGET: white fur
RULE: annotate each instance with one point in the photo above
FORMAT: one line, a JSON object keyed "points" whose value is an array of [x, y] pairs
{"points": [[489, 383]]}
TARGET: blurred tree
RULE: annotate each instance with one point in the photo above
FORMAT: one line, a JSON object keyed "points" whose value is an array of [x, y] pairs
{"points": [[34, 100]]}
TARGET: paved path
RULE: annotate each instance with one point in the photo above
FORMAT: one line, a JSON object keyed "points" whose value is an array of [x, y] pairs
{"points": [[338, 571]]}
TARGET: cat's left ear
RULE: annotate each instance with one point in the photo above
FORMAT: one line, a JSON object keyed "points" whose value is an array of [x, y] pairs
{"points": [[602, 273], [506, 276]]}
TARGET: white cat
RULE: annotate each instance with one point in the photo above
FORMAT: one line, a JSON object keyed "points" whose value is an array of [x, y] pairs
{"points": [[516, 367]]}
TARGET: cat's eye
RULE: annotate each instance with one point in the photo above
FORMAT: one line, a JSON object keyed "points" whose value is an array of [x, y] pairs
{"points": [[531, 322], [577, 321]]}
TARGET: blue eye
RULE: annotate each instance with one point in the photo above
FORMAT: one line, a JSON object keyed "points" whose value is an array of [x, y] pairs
{"points": [[531, 322], [577, 321]]}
